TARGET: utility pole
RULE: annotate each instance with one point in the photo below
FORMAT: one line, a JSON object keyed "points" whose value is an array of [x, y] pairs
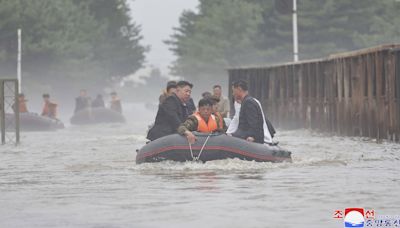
{"points": [[19, 61], [295, 38]]}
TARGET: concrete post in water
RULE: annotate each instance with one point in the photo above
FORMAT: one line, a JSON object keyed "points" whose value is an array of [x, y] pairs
{"points": [[2, 113], [9, 103], [295, 39], [17, 85], [19, 60]]}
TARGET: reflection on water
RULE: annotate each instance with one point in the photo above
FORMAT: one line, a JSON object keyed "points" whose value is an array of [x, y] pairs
{"points": [[86, 176]]}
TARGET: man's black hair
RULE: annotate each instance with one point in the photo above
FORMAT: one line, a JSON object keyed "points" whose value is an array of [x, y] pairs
{"points": [[206, 94], [240, 84], [171, 84], [184, 83], [217, 86], [214, 100], [46, 95], [205, 102], [113, 93]]}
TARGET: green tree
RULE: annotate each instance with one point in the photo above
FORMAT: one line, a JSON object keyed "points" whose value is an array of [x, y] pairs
{"points": [[68, 42], [219, 36], [119, 48], [226, 33], [327, 27]]}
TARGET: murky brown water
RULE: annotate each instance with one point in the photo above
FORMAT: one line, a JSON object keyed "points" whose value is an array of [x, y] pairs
{"points": [[87, 177]]}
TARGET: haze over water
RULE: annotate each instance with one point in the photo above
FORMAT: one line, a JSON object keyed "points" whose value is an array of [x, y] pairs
{"points": [[86, 176]]}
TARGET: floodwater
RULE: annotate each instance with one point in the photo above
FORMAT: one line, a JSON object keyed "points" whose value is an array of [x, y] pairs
{"points": [[86, 176]]}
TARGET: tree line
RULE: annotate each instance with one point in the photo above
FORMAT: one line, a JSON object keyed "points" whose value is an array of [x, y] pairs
{"points": [[232, 33], [70, 42]]}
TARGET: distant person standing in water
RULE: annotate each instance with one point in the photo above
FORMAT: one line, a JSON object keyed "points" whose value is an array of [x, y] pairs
{"points": [[49, 108], [172, 112], [171, 89], [115, 103], [82, 102]]}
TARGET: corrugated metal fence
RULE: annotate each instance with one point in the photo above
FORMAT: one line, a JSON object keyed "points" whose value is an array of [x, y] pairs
{"points": [[353, 94]]}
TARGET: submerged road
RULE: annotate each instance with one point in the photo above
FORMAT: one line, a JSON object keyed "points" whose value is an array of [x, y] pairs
{"points": [[86, 176]]}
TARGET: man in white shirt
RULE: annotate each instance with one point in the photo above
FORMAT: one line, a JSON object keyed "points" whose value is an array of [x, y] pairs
{"points": [[235, 122]]}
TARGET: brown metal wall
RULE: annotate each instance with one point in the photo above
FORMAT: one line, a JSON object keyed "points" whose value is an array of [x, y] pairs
{"points": [[353, 94]]}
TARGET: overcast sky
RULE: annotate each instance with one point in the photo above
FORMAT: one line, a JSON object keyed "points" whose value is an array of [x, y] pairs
{"points": [[157, 18]]}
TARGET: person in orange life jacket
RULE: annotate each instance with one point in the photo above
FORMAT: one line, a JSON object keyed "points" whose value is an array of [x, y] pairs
{"points": [[115, 103], [22, 104], [215, 101], [49, 108], [202, 121]]}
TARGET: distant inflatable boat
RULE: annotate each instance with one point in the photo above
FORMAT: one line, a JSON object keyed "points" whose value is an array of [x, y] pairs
{"points": [[97, 115], [34, 122], [209, 147]]}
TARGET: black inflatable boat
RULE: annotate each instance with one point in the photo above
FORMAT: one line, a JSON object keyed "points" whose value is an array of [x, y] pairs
{"points": [[34, 122], [209, 147], [97, 115]]}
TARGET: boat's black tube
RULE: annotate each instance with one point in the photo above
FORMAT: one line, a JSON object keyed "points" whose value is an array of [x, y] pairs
{"points": [[219, 146]]}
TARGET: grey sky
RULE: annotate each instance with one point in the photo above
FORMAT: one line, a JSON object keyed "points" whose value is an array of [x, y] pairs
{"points": [[157, 18]]}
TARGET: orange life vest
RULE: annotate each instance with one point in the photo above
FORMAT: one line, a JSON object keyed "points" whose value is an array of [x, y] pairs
{"points": [[204, 127], [50, 110], [22, 106]]}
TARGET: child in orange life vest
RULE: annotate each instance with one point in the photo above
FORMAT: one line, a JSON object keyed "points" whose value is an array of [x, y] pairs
{"points": [[49, 108], [22, 103], [115, 103], [202, 121], [215, 101]]}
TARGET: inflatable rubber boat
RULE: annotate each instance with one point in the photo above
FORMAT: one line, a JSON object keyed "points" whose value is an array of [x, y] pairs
{"points": [[209, 147], [97, 115], [34, 122]]}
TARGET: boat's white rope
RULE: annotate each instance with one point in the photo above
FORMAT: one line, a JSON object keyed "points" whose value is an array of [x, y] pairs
{"points": [[208, 137], [191, 151], [201, 150]]}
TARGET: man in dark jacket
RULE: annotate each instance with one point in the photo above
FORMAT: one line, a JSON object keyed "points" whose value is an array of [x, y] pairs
{"points": [[172, 112], [82, 102], [98, 102], [191, 106], [250, 117]]}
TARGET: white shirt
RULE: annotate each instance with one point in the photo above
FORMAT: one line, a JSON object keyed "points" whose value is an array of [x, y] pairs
{"points": [[233, 126]]}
